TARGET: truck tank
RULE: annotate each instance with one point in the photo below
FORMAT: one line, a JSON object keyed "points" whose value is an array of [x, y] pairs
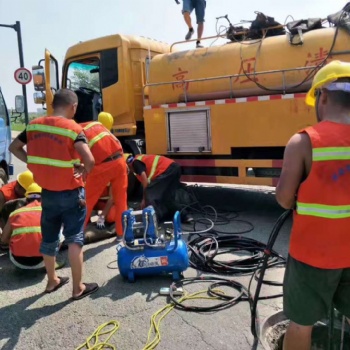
{"points": [[287, 67]]}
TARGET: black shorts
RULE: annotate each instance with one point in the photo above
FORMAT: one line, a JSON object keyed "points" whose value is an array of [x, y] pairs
{"points": [[308, 292]]}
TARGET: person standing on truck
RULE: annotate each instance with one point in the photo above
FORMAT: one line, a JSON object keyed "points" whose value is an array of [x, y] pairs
{"points": [[199, 7], [315, 181], [16, 189], [23, 232], [110, 168], [160, 178], [54, 144]]}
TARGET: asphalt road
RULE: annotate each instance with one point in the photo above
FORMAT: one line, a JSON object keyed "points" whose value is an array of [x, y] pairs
{"points": [[30, 319]]}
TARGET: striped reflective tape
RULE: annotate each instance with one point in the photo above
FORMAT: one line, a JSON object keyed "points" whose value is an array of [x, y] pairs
{"points": [[330, 153], [25, 210], [52, 162], [90, 125], [324, 211], [98, 138], [52, 130], [26, 230], [154, 166]]}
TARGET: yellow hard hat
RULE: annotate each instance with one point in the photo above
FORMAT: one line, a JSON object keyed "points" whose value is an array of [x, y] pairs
{"points": [[106, 120], [34, 188], [25, 179], [326, 75]]}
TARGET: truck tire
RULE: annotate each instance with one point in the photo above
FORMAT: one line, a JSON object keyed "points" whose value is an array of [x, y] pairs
{"points": [[3, 177]]}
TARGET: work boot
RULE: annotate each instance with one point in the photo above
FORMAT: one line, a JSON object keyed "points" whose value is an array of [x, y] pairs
{"points": [[189, 34]]}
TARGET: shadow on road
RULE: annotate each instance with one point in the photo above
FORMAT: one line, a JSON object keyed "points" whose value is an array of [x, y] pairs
{"points": [[16, 317]]}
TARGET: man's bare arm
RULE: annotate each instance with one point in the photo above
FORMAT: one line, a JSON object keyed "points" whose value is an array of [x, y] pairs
{"points": [[17, 149], [84, 151], [293, 170]]}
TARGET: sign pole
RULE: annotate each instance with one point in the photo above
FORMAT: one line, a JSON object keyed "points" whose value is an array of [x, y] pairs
{"points": [[21, 62], [17, 28]]}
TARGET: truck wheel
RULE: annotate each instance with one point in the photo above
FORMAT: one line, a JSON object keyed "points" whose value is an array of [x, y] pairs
{"points": [[3, 177]]}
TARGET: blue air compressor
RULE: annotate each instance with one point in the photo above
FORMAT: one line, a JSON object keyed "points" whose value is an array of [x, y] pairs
{"points": [[146, 251]]}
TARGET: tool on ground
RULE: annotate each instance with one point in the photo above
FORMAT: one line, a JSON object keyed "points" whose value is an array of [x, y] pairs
{"points": [[147, 250]]}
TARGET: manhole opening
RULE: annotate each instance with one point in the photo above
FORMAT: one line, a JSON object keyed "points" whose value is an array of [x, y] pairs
{"points": [[275, 336]]}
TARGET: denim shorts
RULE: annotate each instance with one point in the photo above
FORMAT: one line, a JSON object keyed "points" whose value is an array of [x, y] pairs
{"points": [[59, 209], [198, 6]]}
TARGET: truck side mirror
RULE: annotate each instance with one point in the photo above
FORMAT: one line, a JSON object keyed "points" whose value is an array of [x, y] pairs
{"points": [[19, 104], [38, 78], [39, 98]]}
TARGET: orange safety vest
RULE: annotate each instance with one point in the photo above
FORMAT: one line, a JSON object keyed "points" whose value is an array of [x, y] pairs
{"points": [[155, 165], [8, 191], [51, 153], [26, 231], [320, 235], [102, 143]]}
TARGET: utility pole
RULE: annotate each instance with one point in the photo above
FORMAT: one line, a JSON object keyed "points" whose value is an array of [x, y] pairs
{"points": [[17, 28]]}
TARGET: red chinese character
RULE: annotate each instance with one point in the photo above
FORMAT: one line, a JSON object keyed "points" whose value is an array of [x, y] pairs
{"points": [[180, 76], [316, 58], [247, 67]]}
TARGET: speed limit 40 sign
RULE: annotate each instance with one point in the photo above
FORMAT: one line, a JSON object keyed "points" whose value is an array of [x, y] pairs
{"points": [[23, 76]]}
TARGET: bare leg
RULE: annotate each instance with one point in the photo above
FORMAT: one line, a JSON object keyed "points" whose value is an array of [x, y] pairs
{"points": [[200, 30], [188, 20], [75, 255], [297, 337], [50, 264]]}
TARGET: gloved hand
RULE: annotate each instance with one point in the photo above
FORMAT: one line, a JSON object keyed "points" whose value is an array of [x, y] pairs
{"points": [[101, 222]]}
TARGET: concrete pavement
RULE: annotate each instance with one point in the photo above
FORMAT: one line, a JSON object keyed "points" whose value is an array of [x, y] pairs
{"points": [[30, 320]]}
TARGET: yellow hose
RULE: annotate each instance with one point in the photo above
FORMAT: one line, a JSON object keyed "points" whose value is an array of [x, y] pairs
{"points": [[154, 327]]}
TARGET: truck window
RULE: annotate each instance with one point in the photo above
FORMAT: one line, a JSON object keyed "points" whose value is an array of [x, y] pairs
{"points": [[83, 77], [3, 112]]}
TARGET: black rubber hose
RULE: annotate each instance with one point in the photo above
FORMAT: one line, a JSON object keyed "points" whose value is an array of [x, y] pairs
{"points": [[267, 253]]}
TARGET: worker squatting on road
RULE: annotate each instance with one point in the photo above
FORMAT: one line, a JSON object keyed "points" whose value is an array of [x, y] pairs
{"points": [[14, 190], [160, 178], [315, 182], [55, 145], [23, 232], [110, 168]]}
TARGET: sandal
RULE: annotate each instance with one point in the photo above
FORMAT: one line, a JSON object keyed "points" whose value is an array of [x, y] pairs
{"points": [[63, 281], [89, 289]]}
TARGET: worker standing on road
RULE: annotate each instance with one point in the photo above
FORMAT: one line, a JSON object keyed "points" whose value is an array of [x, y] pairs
{"points": [[110, 168], [315, 180], [54, 144], [23, 232], [16, 189], [160, 178]]}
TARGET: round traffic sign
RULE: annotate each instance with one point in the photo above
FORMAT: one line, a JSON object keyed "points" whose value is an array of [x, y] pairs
{"points": [[23, 76]]}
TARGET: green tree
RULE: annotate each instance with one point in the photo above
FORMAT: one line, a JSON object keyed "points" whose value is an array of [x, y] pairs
{"points": [[85, 79]]}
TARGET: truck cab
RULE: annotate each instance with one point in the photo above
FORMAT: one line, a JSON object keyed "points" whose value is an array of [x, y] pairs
{"points": [[108, 74]]}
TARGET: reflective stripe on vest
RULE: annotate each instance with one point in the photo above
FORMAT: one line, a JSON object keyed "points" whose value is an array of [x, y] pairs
{"points": [[330, 153], [98, 138], [53, 130], [324, 211], [25, 210], [52, 162], [154, 166], [26, 230], [90, 125]]}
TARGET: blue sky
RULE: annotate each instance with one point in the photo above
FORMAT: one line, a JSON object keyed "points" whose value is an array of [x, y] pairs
{"points": [[56, 25]]}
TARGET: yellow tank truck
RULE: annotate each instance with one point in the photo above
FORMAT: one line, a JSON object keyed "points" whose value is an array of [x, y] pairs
{"points": [[224, 113]]}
